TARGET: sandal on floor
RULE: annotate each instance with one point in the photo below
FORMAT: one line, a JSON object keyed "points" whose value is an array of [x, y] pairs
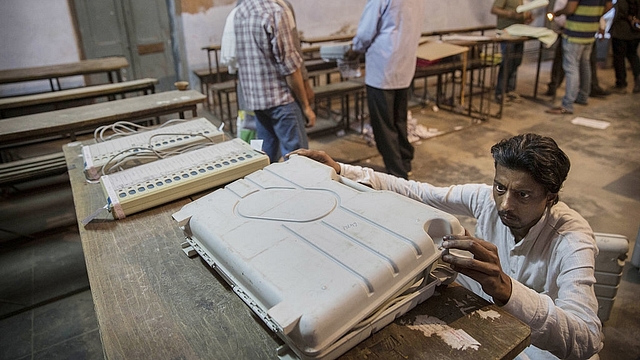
{"points": [[559, 111]]}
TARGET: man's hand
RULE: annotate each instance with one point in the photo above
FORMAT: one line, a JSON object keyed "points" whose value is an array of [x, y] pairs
{"points": [[317, 155], [484, 267], [298, 86], [528, 18], [351, 55], [311, 96], [310, 115]]}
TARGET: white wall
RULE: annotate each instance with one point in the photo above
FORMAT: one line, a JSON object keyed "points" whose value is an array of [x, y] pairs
{"points": [[36, 33], [328, 17]]}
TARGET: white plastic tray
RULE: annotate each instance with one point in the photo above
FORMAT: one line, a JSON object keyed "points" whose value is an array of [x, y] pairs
{"points": [[323, 261]]}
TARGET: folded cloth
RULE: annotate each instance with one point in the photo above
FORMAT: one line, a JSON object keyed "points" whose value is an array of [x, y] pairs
{"points": [[546, 36], [535, 4], [228, 43]]}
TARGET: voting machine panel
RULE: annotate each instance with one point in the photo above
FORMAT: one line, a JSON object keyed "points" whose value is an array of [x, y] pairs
{"points": [[323, 261]]}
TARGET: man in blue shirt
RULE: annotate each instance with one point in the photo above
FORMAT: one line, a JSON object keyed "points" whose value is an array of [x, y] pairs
{"points": [[388, 34]]}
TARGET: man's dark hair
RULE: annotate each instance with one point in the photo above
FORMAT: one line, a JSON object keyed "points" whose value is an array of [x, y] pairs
{"points": [[538, 155]]}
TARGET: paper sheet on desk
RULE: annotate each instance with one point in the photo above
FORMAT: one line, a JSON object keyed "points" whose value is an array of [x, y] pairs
{"points": [[546, 36], [459, 37], [439, 50]]}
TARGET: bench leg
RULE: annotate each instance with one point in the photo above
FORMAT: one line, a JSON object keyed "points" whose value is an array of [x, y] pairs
{"points": [[229, 112], [220, 109]]}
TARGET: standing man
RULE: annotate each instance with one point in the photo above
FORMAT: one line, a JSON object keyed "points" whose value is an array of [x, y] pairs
{"points": [[583, 21], [557, 73], [388, 34], [624, 41], [270, 75], [512, 53]]}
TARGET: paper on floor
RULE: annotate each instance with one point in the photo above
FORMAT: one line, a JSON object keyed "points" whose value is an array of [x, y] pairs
{"points": [[596, 124]]}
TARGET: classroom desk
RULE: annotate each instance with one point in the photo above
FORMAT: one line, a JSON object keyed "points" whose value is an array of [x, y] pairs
{"points": [[70, 120], [108, 65], [322, 39], [209, 49], [484, 52], [154, 302]]}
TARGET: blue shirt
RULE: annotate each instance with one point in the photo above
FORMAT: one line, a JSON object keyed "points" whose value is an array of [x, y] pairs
{"points": [[388, 34]]}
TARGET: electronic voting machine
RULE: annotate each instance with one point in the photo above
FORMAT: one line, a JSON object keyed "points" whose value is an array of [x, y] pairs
{"points": [[322, 260], [141, 147], [151, 184]]}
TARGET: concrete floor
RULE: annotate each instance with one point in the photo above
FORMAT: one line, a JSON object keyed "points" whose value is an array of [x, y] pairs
{"points": [[45, 301]]}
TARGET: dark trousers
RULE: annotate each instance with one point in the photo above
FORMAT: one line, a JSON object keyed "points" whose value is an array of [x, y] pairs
{"points": [[511, 59], [625, 49], [557, 73], [388, 114]]}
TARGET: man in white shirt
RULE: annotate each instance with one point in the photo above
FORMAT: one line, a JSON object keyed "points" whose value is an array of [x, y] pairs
{"points": [[388, 35], [532, 254]]}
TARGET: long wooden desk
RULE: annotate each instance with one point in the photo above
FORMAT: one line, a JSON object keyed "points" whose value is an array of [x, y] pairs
{"points": [[64, 97], [321, 39], [484, 56], [28, 127], [153, 302], [108, 65]]}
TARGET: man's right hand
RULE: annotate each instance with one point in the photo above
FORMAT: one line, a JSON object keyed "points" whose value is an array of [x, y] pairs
{"points": [[310, 115], [484, 267], [317, 155]]}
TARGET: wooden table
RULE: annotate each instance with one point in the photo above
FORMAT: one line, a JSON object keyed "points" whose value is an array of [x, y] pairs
{"points": [[29, 127], [154, 302], [108, 65], [213, 48], [321, 39]]}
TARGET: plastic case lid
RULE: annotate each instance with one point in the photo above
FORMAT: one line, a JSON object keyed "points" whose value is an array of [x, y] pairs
{"points": [[312, 253]]}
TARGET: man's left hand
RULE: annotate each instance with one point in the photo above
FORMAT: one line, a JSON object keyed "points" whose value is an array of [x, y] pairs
{"points": [[528, 18], [484, 266]]}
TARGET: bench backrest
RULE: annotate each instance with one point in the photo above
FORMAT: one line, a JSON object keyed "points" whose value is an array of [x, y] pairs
{"points": [[87, 92], [23, 128]]}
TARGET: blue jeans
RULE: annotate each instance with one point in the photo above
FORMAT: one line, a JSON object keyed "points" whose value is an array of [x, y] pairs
{"points": [[511, 59], [577, 70], [280, 128]]}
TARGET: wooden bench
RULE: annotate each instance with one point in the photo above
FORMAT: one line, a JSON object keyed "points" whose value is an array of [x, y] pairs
{"points": [[68, 121], [207, 77], [32, 168], [322, 39], [27, 103], [44, 126], [319, 64], [311, 52], [342, 90], [108, 65]]}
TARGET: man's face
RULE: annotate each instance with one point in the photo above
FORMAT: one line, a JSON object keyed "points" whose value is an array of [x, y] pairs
{"points": [[520, 200]]}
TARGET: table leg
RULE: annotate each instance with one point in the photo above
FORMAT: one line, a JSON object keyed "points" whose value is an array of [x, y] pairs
{"points": [[535, 87]]}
